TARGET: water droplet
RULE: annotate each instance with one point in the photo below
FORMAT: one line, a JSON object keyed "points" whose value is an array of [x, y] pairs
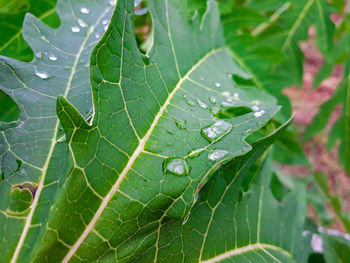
{"points": [[236, 95], [212, 99], [217, 154], [176, 166], [214, 110], [190, 103], [105, 28], [97, 35], [53, 57], [201, 104], [112, 2], [229, 75], [201, 78], [82, 23], [39, 55], [217, 84], [181, 124], [84, 10], [255, 108], [228, 104], [248, 130], [104, 22], [259, 113], [216, 130], [75, 29], [226, 94], [42, 75]]}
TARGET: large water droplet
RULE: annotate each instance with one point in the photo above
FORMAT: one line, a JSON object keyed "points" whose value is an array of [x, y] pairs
{"points": [[42, 75], [217, 84], [259, 113], [217, 154], [176, 166], [84, 10], [201, 104], [53, 57], [75, 29], [212, 99], [216, 130], [181, 124], [82, 23]]}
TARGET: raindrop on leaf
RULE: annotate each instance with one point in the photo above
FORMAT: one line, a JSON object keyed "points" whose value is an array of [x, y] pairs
{"points": [[176, 166], [217, 154], [75, 29], [216, 130]]}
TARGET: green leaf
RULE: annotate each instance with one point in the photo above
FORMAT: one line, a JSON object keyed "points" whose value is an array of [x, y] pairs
{"points": [[336, 248], [28, 149], [154, 139], [12, 14], [233, 225]]}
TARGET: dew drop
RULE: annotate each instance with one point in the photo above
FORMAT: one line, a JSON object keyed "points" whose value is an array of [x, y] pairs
{"points": [[216, 130], [226, 94], [39, 55], [217, 84], [82, 23], [214, 110], [97, 35], [236, 95], [212, 99], [201, 104], [255, 108], [181, 124], [176, 166], [75, 29], [259, 113], [84, 10], [229, 75], [42, 75], [53, 57], [105, 28], [112, 2], [105, 22], [248, 130], [217, 154], [190, 103]]}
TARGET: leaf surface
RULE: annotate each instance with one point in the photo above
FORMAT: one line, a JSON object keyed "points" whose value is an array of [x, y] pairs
{"points": [[163, 124]]}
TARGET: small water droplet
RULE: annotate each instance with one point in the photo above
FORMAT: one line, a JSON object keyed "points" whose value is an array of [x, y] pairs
{"points": [[201, 78], [105, 22], [226, 94], [216, 130], [97, 35], [201, 104], [255, 108], [84, 10], [39, 55], [236, 95], [248, 130], [190, 103], [53, 57], [217, 84], [75, 29], [214, 110], [82, 23], [229, 75], [181, 124], [212, 99], [217, 154], [259, 113], [42, 75], [176, 166], [112, 2]]}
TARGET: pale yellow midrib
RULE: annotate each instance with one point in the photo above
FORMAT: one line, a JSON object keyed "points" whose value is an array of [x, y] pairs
{"points": [[134, 156], [245, 249], [52, 146]]}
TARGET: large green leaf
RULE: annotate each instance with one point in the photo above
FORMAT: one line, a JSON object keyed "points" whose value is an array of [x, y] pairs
{"points": [[27, 145], [12, 14], [155, 139]]}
